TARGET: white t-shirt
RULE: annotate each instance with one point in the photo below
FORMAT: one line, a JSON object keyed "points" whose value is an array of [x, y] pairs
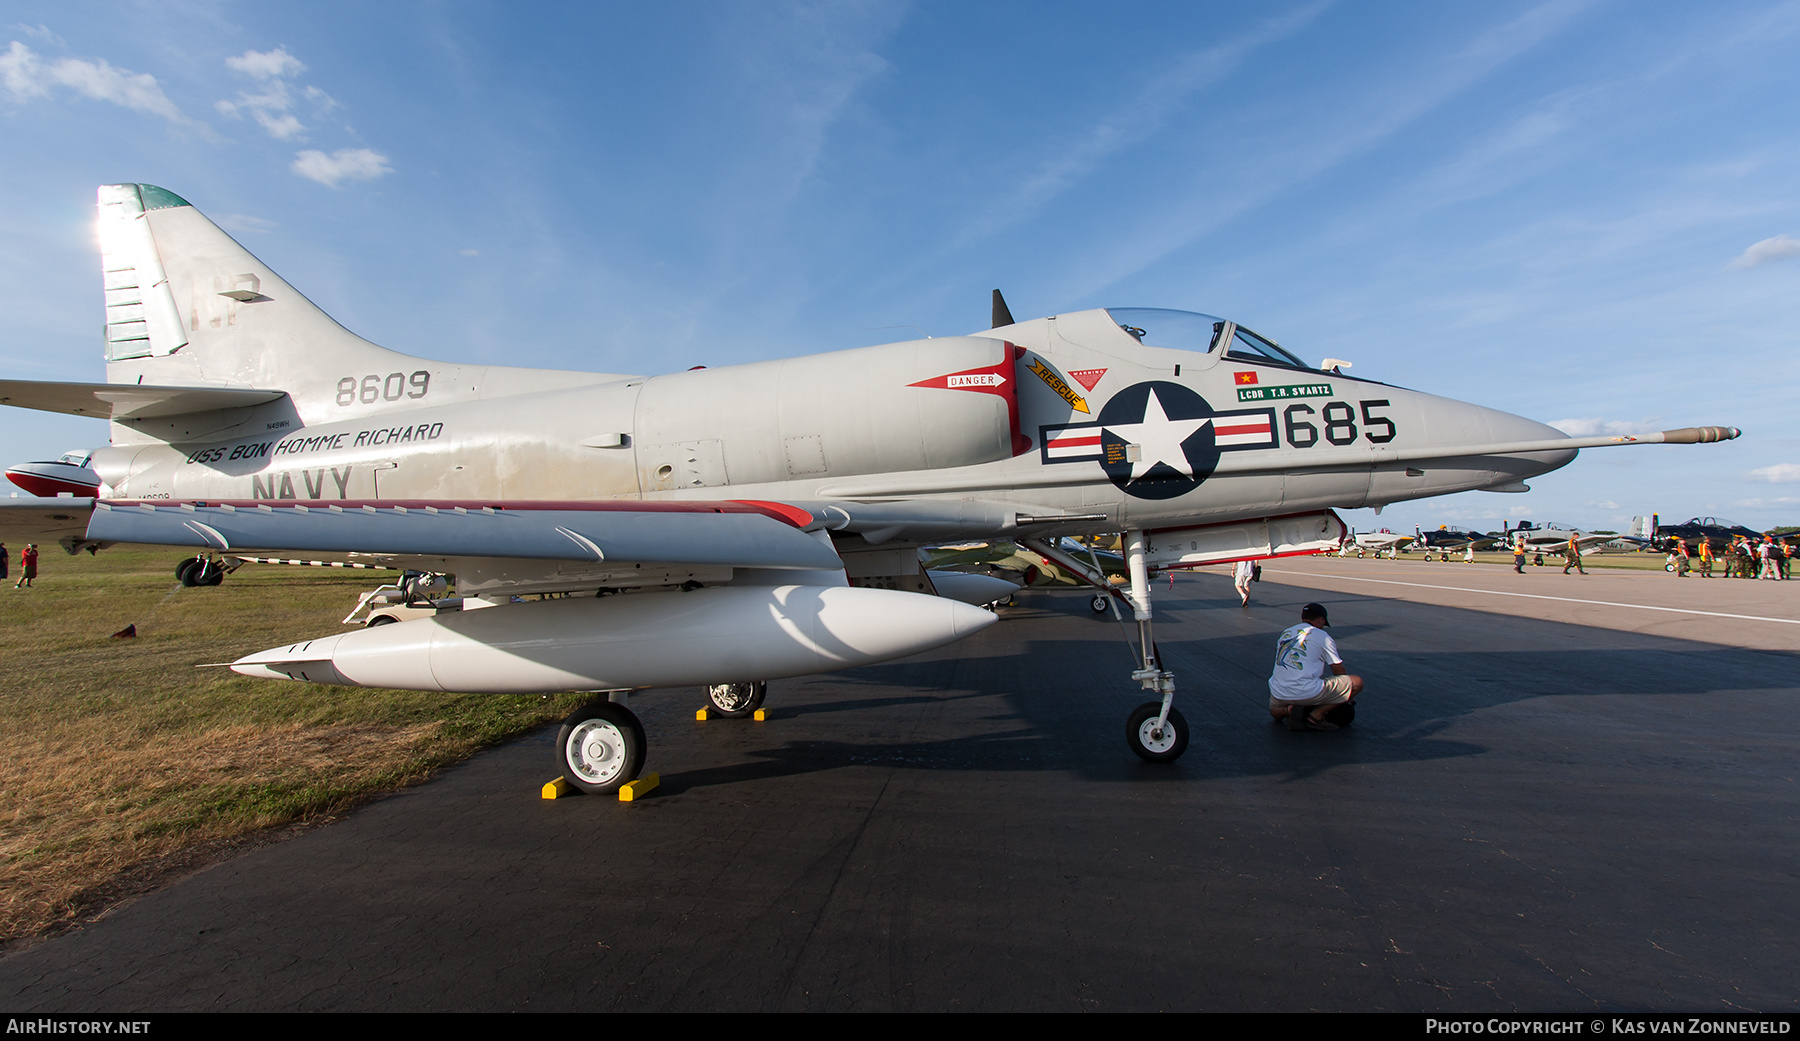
{"points": [[1301, 656]]}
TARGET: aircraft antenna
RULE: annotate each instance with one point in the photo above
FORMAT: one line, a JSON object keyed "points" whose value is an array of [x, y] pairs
{"points": [[1002, 314]]}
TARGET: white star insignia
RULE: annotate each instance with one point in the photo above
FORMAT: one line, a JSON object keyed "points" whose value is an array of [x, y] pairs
{"points": [[1159, 438]]}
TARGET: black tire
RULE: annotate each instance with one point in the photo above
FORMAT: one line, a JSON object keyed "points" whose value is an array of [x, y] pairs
{"points": [[1341, 715], [1098, 603], [206, 573], [181, 568], [736, 700], [1153, 749], [600, 747]]}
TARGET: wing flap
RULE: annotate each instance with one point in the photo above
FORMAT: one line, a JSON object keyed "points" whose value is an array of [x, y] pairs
{"points": [[689, 533]]}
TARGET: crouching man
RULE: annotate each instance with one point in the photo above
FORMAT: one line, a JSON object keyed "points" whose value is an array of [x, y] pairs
{"points": [[1309, 677]]}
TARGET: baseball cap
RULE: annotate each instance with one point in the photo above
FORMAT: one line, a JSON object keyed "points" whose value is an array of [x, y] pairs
{"points": [[1316, 611]]}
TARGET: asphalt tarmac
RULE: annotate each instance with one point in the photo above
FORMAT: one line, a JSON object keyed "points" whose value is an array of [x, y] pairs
{"points": [[1542, 805]]}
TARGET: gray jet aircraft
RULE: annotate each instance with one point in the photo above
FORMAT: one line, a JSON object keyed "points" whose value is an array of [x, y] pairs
{"points": [[723, 526]]}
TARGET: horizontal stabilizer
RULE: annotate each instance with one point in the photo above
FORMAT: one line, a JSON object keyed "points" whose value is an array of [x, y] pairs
{"points": [[725, 534], [127, 400]]}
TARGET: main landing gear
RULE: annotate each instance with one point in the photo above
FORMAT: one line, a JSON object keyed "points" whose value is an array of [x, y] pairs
{"points": [[1155, 730], [199, 571], [736, 700], [600, 747]]}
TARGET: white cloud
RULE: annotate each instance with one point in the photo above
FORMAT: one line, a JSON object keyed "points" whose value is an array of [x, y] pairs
{"points": [[471, 253], [353, 164], [324, 101], [42, 32], [270, 107], [1600, 427], [1780, 247], [1780, 473], [264, 65], [25, 75], [282, 127]]}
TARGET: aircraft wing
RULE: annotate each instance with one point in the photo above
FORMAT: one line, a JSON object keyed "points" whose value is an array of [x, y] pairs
{"points": [[49, 521], [613, 533]]}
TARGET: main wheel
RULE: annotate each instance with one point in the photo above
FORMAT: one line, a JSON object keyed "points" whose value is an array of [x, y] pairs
{"points": [[1155, 745], [182, 567], [600, 747], [736, 700], [1099, 604], [206, 573]]}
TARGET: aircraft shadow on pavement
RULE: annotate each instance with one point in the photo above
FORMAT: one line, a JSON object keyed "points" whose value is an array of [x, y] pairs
{"points": [[1069, 697]]}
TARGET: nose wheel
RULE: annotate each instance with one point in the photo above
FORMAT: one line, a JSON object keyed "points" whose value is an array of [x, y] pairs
{"points": [[600, 747], [1156, 740]]}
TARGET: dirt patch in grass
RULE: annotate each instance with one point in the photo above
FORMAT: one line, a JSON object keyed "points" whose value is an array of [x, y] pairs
{"points": [[122, 765]]}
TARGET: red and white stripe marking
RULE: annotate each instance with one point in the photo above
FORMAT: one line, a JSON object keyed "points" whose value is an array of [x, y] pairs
{"points": [[1082, 443], [1252, 431]]}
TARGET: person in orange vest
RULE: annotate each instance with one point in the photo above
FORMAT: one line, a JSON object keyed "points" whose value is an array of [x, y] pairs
{"points": [[1681, 551], [1519, 555], [1706, 558], [1573, 552]]}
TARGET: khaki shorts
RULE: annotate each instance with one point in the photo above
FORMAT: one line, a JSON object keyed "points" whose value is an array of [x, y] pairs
{"points": [[1337, 691]]}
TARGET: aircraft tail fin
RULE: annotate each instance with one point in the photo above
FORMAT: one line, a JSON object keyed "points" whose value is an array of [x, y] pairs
{"points": [[186, 305]]}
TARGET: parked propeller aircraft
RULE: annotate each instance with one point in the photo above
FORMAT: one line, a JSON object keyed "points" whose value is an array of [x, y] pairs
{"points": [[726, 526], [1553, 537], [1718, 531], [1378, 542], [67, 474], [1446, 540], [1028, 567]]}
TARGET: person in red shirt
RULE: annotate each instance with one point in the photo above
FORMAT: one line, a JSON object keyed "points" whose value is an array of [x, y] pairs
{"points": [[27, 566]]}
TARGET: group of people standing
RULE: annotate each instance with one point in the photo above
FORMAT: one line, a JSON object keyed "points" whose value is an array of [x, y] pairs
{"points": [[1744, 558], [28, 560]]}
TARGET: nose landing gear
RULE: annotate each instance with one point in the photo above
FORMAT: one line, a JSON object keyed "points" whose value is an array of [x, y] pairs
{"points": [[1155, 731]]}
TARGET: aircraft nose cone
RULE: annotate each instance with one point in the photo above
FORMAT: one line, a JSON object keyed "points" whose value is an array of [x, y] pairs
{"points": [[1504, 427]]}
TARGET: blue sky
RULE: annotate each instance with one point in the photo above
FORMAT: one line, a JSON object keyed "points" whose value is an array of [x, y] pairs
{"points": [[1585, 213]]}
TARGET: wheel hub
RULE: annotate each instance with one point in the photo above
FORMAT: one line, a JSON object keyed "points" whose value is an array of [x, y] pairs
{"points": [[730, 697], [1155, 738], [596, 751]]}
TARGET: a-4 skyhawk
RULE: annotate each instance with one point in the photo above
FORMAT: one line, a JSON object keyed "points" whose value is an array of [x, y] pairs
{"points": [[722, 526]]}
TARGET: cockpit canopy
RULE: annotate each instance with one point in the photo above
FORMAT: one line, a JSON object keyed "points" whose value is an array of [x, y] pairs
{"points": [[1201, 333]]}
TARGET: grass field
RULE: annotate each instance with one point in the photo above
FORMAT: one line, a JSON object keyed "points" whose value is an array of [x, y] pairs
{"points": [[121, 763]]}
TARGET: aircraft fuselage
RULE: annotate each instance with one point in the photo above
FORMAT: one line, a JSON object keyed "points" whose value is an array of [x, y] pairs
{"points": [[1065, 416]]}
